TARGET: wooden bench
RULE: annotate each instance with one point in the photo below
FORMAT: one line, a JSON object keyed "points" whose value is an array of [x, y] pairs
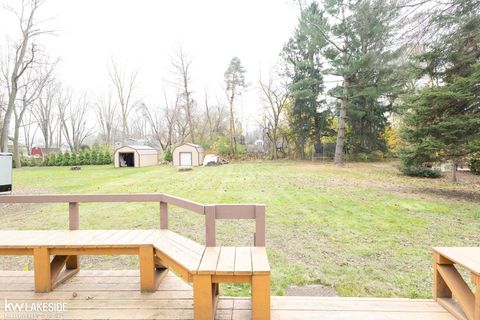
{"points": [[158, 250], [206, 266], [449, 284], [67, 246]]}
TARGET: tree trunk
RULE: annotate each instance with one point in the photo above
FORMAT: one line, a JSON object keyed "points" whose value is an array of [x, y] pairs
{"points": [[274, 147], [454, 170], [233, 144], [302, 148], [16, 153], [339, 159], [6, 120]]}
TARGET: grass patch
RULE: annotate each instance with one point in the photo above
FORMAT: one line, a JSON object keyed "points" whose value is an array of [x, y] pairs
{"points": [[363, 228]]}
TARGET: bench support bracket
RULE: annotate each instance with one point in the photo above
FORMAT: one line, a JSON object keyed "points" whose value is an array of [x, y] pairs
{"points": [[50, 273]]}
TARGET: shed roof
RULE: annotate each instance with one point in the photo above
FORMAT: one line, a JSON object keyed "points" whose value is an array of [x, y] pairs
{"points": [[196, 146], [140, 149]]}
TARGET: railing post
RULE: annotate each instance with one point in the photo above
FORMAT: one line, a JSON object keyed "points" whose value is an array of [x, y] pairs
{"points": [[259, 239], [73, 262], [210, 229], [73, 216], [163, 215]]}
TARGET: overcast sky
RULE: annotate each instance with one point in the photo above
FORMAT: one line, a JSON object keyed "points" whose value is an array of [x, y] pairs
{"points": [[143, 34]]}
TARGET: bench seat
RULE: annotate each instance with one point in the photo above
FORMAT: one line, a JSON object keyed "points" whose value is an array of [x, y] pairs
{"points": [[67, 245], [29, 239], [237, 265], [158, 250]]}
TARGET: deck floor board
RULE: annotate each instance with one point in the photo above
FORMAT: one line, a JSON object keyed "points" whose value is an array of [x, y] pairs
{"points": [[93, 295]]}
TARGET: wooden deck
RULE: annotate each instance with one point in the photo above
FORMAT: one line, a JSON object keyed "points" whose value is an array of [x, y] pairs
{"points": [[115, 295]]}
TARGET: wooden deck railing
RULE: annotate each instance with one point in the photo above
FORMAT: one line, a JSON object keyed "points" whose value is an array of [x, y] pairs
{"points": [[212, 212]]}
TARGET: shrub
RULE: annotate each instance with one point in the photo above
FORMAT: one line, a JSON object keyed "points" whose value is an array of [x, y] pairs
{"points": [[66, 159], [93, 157], [86, 158], [168, 155], [24, 162], [475, 165], [107, 158], [423, 172], [59, 159], [221, 145], [81, 158]]}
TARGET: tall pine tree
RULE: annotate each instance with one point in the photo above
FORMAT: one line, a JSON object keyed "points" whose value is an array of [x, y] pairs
{"points": [[302, 55], [442, 121], [358, 35]]}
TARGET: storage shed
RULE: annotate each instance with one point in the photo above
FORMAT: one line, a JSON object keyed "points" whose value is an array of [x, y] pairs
{"points": [[135, 156], [188, 155]]}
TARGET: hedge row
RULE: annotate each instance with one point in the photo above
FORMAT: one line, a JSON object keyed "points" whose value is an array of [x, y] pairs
{"points": [[70, 159]]}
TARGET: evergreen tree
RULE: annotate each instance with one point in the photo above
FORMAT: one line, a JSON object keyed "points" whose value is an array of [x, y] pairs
{"points": [[302, 55], [66, 159], [94, 157], [168, 155], [86, 158], [105, 159], [443, 122], [59, 159], [235, 84], [358, 36], [81, 158]]}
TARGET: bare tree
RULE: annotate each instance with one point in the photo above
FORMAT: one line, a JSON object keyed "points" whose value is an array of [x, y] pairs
{"points": [[125, 86], [32, 86], [74, 124], [30, 128], [106, 110], [215, 118], [181, 64], [22, 57], [276, 94], [44, 112]]}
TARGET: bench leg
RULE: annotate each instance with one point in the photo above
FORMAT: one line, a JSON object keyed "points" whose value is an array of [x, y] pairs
{"points": [[148, 272], [440, 288], [73, 262], [205, 295], [42, 270], [261, 297]]}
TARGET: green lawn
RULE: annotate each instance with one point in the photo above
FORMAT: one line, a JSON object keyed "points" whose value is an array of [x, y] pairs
{"points": [[362, 228]]}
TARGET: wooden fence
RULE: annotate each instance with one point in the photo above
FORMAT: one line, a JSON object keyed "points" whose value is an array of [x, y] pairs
{"points": [[212, 212]]}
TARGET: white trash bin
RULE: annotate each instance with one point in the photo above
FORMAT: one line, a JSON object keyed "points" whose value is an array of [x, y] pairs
{"points": [[5, 173]]}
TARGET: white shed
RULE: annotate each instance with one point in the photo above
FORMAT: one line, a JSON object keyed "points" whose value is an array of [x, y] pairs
{"points": [[135, 156], [188, 155]]}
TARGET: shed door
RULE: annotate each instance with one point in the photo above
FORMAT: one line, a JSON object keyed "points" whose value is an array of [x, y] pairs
{"points": [[186, 159]]}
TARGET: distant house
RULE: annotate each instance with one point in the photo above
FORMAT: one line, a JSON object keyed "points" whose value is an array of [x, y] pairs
{"points": [[135, 156], [188, 155], [37, 152]]}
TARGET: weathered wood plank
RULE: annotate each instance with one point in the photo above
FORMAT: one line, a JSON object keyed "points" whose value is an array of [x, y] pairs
{"points": [[43, 277], [260, 263], [261, 297], [208, 265], [469, 257], [226, 261], [243, 261]]}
